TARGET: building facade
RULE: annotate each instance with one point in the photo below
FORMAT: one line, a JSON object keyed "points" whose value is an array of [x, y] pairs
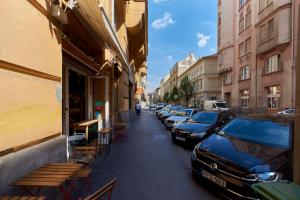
{"points": [[62, 63], [205, 77], [256, 53]]}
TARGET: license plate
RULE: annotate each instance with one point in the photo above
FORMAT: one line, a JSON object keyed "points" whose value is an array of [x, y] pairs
{"points": [[213, 178], [180, 138]]}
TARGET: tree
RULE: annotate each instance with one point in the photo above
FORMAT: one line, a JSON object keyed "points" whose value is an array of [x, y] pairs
{"points": [[174, 96], [166, 97], [186, 89]]}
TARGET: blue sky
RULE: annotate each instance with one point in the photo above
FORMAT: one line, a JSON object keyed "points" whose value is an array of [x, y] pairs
{"points": [[177, 27]]}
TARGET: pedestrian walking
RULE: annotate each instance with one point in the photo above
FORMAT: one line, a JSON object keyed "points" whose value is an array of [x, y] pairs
{"points": [[138, 108]]}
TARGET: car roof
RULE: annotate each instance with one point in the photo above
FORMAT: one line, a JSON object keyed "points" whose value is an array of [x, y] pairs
{"points": [[283, 121]]}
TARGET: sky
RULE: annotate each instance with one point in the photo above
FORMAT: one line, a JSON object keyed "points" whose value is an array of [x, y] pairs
{"points": [[176, 28]]}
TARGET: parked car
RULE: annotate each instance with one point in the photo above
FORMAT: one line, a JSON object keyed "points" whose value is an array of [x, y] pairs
{"points": [[179, 117], [211, 105], [287, 112], [172, 112], [244, 152], [200, 126]]}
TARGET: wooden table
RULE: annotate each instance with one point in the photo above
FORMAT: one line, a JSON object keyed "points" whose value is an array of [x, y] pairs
{"points": [[84, 126], [50, 175]]}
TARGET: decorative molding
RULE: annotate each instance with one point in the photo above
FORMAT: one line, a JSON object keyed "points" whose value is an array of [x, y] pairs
{"points": [[27, 145], [24, 70]]}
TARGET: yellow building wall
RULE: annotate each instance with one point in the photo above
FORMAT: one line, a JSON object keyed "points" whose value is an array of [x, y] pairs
{"points": [[30, 95]]}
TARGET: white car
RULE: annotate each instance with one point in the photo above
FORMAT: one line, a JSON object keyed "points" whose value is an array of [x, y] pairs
{"points": [[289, 111], [179, 117]]}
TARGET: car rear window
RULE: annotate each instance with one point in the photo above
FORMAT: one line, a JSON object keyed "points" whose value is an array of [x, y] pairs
{"points": [[221, 105], [204, 117], [258, 131]]}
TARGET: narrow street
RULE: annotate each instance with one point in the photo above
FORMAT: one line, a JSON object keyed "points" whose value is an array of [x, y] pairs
{"points": [[149, 166]]}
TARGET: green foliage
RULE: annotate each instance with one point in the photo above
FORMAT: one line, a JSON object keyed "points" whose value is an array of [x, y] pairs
{"points": [[174, 96], [186, 89], [166, 97]]}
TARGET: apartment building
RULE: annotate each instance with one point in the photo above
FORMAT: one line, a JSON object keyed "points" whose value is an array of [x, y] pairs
{"points": [[62, 62], [256, 53], [206, 80]]}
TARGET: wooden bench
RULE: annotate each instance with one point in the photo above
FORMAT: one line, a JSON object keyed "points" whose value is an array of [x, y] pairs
{"points": [[105, 190]]}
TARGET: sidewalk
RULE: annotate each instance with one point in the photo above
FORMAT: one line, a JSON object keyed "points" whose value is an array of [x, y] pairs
{"points": [[148, 166]]}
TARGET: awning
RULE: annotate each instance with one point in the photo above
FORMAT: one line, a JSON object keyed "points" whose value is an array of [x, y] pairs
{"points": [[95, 16]]}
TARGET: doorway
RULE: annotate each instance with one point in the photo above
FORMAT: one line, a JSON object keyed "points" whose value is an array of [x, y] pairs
{"points": [[75, 96]]}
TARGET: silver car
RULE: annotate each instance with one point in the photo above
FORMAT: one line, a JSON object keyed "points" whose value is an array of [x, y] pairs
{"points": [[179, 117]]}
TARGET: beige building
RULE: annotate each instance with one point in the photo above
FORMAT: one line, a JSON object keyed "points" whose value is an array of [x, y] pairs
{"points": [[256, 53], [179, 68], [205, 78], [62, 63]]}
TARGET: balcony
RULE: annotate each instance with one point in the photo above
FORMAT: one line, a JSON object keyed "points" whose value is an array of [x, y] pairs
{"points": [[275, 31]]}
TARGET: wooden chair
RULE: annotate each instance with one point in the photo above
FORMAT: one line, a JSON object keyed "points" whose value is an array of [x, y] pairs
{"points": [[84, 154], [105, 190]]}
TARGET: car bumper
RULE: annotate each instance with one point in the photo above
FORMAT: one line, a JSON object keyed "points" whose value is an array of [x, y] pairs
{"points": [[232, 190], [191, 141]]}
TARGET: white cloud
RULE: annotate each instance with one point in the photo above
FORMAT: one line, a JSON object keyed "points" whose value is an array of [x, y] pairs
{"points": [[202, 39], [163, 22], [159, 1], [169, 58], [212, 50]]}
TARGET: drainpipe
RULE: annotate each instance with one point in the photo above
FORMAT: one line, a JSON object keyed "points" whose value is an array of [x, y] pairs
{"points": [[296, 148], [113, 22], [293, 36]]}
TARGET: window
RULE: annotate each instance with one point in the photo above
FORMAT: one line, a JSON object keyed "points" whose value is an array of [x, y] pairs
{"points": [[241, 24], [227, 78], [241, 49], [245, 73], [248, 45], [262, 4], [220, 59], [248, 19], [271, 29], [263, 33], [201, 84], [272, 64], [245, 98], [242, 3], [273, 97]]}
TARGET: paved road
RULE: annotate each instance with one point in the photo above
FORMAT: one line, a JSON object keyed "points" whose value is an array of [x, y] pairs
{"points": [[149, 166]]}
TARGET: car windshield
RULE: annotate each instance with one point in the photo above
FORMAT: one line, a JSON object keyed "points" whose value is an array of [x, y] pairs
{"points": [[221, 105], [258, 131], [204, 118], [183, 113]]}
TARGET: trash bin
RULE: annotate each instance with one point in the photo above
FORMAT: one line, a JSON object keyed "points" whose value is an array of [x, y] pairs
{"points": [[281, 190]]}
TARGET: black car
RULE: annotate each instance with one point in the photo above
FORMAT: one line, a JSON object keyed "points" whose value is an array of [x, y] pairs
{"points": [[244, 152], [200, 126]]}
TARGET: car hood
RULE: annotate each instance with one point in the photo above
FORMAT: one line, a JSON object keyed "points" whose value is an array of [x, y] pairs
{"points": [[249, 157], [177, 118], [193, 127]]}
